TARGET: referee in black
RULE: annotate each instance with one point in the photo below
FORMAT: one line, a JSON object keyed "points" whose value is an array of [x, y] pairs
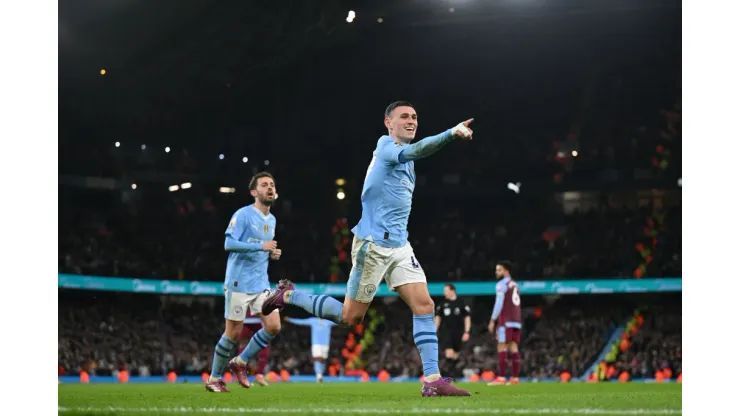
{"points": [[454, 317]]}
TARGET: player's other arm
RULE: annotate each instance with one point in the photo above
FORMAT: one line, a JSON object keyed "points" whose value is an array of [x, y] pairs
{"points": [[468, 324], [497, 307], [394, 153]]}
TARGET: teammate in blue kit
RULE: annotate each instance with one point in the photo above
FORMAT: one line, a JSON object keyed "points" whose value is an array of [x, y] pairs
{"points": [[320, 339], [380, 249], [250, 244]]}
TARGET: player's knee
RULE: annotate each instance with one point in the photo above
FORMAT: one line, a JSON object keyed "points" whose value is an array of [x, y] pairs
{"points": [[273, 327], [513, 347], [423, 306], [351, 318]]}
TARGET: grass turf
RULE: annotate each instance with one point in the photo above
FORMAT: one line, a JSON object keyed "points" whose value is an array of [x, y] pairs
{"points": [[370, 398]]}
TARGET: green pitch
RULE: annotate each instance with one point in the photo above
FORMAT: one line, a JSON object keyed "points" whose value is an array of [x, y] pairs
{"points": [[371, 399]]}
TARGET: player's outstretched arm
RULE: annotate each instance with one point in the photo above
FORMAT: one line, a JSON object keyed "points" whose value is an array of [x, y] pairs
{"points": [[430, 145]]}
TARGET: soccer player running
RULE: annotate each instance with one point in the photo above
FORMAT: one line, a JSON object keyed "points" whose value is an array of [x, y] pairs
{"points": [[320, 339], [455, 315], [509, 315], [250, 244], [252, 325], [380, 249]]}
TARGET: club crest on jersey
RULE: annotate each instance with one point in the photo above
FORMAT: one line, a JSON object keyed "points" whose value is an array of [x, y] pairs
{"points": [[370, 289], [266, 228]]}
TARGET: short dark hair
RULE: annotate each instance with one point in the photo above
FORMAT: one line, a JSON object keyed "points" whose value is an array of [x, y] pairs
{"points": [[257, 177], [395, 105], [452, 287], [506, 264]]}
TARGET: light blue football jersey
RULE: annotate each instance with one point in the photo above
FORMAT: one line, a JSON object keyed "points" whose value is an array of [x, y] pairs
{"points": [[247, 272]]}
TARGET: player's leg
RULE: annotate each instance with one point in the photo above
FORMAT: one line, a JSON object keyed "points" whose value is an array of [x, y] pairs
{"points": [[503, 357], [513, 336], [320, 354], [369, 264], [260, 340], [245, 336], [262, 359], [416, 295], [235, 309]]}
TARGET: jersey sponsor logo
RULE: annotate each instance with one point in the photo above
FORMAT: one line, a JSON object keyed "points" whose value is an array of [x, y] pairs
{"points": [[447, 311], [253, 240], [457, 311], [370, 289]]}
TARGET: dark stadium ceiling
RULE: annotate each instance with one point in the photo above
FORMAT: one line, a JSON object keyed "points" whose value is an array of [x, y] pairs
{"points": [[184, 55]]}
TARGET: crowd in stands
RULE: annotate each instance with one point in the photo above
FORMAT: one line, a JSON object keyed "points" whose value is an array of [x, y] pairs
{"points": [[656, 345], [102, 333], [172, 239]]}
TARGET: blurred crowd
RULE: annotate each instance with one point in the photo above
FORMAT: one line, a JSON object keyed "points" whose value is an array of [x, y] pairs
{"points": [[656, 346], [150, 335], [176, 239]]}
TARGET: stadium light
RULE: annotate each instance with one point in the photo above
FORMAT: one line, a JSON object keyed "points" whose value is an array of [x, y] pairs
{"points": [[167, 149], [186, 185], [340, 182], [118, 144], [221, 156], [680, 182], [143, 147], [267, 162], [340, 194], [174, 188], [351, 16], [133, 186], [452, 10], [226, 190], [245, 159], [380, 20], [103, 71], [574, 153], [516, 187]]}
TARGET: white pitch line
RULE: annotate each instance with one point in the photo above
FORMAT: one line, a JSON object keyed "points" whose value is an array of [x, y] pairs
{"points": [[371, 411]]}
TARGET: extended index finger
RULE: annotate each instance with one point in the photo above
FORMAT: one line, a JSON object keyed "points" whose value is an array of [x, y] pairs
{"points": [[466, 123]]}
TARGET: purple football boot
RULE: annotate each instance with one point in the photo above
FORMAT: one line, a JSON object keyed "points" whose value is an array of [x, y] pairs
{"points": [[442, 387], [275, 300]]}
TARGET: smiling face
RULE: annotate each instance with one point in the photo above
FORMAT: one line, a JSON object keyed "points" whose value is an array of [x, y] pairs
{"points": [[402, 123]]}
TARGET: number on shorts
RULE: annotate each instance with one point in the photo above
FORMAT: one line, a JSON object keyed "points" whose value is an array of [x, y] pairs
{"points": [[369, 168], [515, 296]]}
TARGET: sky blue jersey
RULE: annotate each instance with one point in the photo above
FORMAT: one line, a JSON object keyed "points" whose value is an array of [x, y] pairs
{"points": [[320, 329], [389, 187], [246, 268]]}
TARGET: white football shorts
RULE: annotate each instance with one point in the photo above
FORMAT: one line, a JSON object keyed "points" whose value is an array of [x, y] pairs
{"points": [[371, 264]]}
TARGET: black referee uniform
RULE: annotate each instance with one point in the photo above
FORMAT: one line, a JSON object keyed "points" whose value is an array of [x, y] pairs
{"points": [[452, 314]]}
